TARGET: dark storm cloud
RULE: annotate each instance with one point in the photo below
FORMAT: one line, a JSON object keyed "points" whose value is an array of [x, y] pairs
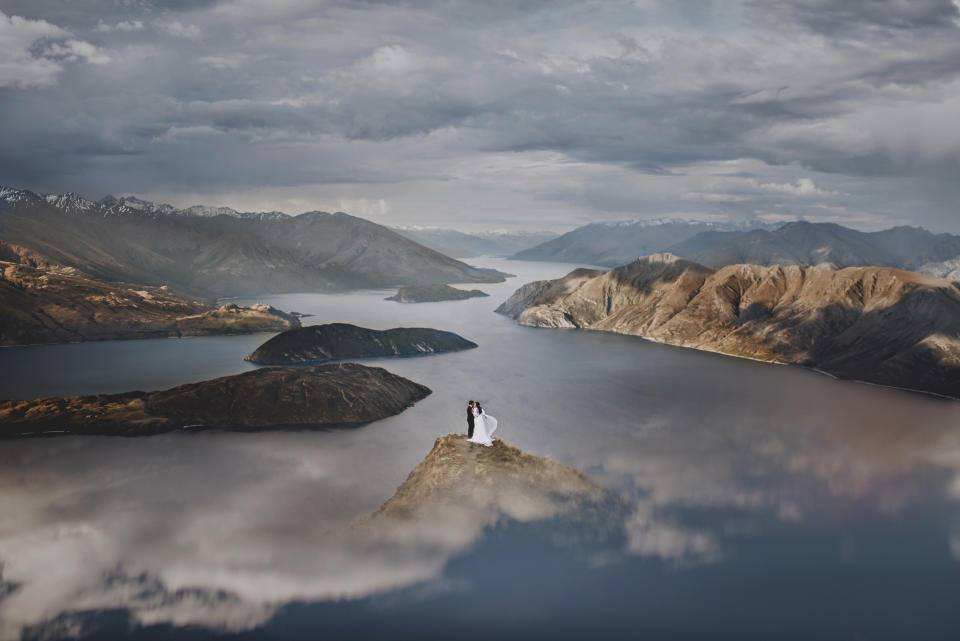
{"points": [[526, 102], [862, 17], [88, 12]]}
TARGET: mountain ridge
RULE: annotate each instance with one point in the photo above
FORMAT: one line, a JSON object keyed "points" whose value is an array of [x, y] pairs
{"points": [[221, 255], [612, 244], [876, 324], [716, 245]]}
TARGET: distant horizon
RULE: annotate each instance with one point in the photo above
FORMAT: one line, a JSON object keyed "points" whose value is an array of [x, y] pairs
{"points": [[733, 225]]}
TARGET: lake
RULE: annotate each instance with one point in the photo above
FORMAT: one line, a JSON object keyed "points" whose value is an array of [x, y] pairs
{"points": [[764, 502]]}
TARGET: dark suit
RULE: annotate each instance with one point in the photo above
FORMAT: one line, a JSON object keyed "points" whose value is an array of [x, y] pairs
{"points": [[469, 422]]}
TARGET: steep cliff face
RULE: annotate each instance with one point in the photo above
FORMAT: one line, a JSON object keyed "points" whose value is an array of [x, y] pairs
{"points": [[266, 398], [875, 324]]}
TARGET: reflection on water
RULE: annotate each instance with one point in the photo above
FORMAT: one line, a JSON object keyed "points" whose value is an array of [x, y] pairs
{"points": [[762, 501]]}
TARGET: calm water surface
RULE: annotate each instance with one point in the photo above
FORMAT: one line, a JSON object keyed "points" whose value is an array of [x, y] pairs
{"points": [[764, 502]]}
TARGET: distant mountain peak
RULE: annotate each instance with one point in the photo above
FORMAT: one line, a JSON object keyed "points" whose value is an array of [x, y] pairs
{"points": [[70, 202], [14, 195]]}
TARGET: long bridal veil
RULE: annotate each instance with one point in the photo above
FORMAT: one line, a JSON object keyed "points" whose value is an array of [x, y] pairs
{"points": [[484, 426]]}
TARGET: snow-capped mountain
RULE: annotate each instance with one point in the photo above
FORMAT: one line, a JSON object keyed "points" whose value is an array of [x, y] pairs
{"points": [[943, 269], [70, 202], [11, 195], [132, 202], [201, 211], [73, 203], [206, 211]]}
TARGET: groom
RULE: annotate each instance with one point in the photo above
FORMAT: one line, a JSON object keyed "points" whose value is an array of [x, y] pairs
{"points": [[470, 419]]}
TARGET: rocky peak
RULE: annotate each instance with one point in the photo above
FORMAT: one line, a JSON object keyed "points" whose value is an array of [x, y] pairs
{"points": [[12, 195], [500, 479], [70, 202]]}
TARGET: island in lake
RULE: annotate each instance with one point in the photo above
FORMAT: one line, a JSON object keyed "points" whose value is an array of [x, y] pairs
{"points": [[341, 341], [433, 294], [332, 395], [877, 324]]}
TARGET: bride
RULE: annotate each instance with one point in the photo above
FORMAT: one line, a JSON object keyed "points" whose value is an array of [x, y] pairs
{"points": [[484, 426]]}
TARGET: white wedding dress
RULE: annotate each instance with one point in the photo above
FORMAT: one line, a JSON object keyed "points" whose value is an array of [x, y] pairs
{"points": [[484, 426]]}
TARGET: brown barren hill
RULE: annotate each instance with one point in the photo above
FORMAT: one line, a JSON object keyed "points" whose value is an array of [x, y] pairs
{"points": [[876, 324]]}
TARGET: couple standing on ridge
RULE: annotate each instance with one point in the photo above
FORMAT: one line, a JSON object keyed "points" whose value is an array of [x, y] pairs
{"points": [[480, 425]]}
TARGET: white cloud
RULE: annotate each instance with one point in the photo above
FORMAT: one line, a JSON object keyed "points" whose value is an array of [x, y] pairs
{"points": [[19, 67], [230, 61], [364, 207], [633, 103], [23, 65], [126, 26], [739, 190], [179, 29], [77, 50]]}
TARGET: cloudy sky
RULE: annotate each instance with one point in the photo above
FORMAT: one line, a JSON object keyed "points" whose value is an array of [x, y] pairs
{"points": [[498, 114]]}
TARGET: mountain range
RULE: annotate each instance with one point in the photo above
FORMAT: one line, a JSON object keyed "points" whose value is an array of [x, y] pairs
{"points": [[803, 243], [217, 252], [612, 244], [876, 324], [467, 245], [795, 243]]}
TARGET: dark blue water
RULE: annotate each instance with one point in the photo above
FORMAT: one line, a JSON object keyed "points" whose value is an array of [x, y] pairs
{"points": [[763, 502]]}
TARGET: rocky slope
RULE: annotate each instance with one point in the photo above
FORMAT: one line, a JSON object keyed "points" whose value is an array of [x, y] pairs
{"points": [[222, 255], [266, 398], [42, 302], [457, 474], [875, 324], [433, 294], [340, 341]]}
